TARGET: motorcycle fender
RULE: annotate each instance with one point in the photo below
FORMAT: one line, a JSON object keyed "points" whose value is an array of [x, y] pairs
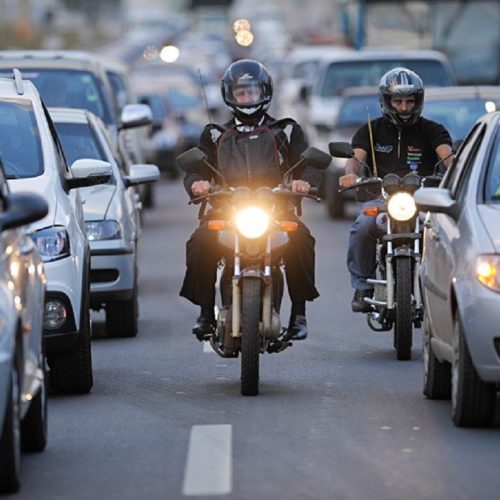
{"points": [[251, 273], [402, 251]]}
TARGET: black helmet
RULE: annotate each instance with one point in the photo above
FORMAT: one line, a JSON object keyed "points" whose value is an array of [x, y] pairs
{"points": [[252, 77], [401, 82]]}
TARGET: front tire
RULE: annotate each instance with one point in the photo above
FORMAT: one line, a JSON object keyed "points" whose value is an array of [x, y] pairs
{"points": [[403, 327], [472, 400], [250, 338], [437, 374], [10, 441], [334, 200]]}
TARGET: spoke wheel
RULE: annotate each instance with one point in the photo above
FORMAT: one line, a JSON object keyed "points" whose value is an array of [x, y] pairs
{"points": [[403, 327]]}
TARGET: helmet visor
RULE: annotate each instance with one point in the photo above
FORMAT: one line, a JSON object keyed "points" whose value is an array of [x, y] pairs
{"points": [[248, 94]]}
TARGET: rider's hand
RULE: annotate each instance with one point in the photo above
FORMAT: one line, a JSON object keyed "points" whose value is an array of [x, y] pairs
{"points": [[348, 180], [302, 187], [200, 188]]}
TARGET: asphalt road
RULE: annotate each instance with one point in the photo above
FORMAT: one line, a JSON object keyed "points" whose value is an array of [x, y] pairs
{"points": [[337, 418]]}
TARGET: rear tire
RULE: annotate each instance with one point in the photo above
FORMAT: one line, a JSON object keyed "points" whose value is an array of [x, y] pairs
{"points": [[250, 338], [403, 327], [10, 441], [472, 401], [437, 374]]}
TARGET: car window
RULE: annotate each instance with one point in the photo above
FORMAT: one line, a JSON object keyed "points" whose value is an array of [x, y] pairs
{"points": [[20, 146], [492, 185], [342, 74], [456, 115], [462, 165], [354, 109], [120, 93], [79, 141], [62, 88]]}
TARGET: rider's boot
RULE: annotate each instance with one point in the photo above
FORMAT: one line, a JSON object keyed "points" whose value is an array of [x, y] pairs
{"points": [[297, 327], [358, 303], [205, 324]]}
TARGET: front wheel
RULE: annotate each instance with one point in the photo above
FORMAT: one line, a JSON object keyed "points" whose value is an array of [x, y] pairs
{"points": [[403, 327], [250, 338]]}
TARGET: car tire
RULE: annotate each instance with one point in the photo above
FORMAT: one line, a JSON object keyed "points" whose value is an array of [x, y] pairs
{"points": [[437, 374], [122, 316], [71, 371], [148, 199], [472, 400], [34, 425], [10, 440]]}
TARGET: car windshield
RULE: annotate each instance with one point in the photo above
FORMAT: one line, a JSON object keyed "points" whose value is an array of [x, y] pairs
{"points": [[70, 89], [456, 115], [79, 141], [20, 146], [181, 100], [343, 74], [354, 110], [492, 187]]}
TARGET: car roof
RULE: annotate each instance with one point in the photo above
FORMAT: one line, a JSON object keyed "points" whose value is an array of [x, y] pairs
{"points": [[463, 92], [386, 54], [16, 87], [69, 115]]}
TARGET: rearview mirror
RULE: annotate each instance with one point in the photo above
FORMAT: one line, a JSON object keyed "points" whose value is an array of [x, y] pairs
{"points": [[316, 158], [21, 209], [341, 149], [193, 157]]}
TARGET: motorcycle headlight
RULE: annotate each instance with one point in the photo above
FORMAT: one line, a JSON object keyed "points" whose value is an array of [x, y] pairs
{"points": [[103, 230], [52, 243], [252, 222], [487, 268], [402, 206]]}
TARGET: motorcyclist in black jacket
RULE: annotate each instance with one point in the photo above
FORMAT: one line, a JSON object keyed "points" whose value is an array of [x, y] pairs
{"points": [[252, 149], [403, 141]]}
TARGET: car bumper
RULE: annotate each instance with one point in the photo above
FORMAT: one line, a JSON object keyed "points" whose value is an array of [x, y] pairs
{"points": [[480, 317], [112, 274]]}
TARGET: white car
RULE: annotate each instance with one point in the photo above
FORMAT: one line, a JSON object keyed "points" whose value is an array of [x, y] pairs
{"points": [[33, 161], [111, 219], [23, 389]]}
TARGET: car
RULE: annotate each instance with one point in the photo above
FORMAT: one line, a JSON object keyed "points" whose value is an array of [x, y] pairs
{"points": [[459, 278], [365, 68], [457, 108], [358, 103], [111, 219], [33, 160], [23, 375]]}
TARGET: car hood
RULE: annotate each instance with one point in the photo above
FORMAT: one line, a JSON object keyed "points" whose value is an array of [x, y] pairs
{"points": [[490, 214], [97, 200], [44, 186]]}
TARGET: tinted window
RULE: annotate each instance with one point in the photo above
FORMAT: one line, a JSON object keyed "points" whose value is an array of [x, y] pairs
{"points": [[354, 109], [20, 147], [456, 115], [343, 74], [70, 89], [492, 187], [119, 88]]}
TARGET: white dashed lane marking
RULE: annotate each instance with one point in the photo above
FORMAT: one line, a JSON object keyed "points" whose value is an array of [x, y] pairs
{"points": [[209, 461]]}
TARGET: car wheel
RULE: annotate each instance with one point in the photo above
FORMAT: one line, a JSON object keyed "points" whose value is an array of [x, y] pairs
{"points": [[10, 441], [34, 424], [148, 200], [472, 400], [334, 200], [71, 371], [437, 374], [121, 316]]}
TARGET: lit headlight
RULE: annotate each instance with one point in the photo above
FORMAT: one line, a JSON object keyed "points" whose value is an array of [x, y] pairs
{"points": [[103, 230], [252, 222], [52, 243], [402, 206], [487, 267]]}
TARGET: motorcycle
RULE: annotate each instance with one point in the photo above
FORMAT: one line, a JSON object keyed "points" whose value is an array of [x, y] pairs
{"points": [[253, 225], [396, 301]]}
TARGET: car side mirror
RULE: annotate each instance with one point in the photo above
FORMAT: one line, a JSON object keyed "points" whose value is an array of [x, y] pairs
{"points": [[88, 172], [135, 115], [141, 174], [304, 93], [22, 209]]}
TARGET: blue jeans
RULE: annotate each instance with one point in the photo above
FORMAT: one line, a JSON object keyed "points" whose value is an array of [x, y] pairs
{"points": [[361, 250]]}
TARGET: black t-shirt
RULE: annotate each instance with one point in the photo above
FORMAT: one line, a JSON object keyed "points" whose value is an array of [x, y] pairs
{"points": [[402, 151]]}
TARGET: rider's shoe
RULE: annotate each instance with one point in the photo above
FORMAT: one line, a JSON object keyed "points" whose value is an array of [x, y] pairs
{"points": [[204, 327], [298, 328], [358, 303]]}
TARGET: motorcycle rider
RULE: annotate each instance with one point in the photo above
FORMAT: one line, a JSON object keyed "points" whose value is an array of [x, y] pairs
{"points": [[247, 90], [403, 142]]}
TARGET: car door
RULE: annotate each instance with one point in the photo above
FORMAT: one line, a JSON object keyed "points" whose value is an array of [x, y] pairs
{"points": [[443, 245]]}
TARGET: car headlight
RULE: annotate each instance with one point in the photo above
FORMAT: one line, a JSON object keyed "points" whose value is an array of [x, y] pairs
{"points": [[487, 267], [402, 206], [52, 243], [103, 230], [252, 222]]}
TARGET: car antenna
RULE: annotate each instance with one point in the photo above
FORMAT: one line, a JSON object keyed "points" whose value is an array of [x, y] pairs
{"points": [[204, 95], [370, 132]]}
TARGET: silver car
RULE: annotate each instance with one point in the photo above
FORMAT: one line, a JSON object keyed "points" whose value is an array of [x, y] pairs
{"points": [[460, 278], [111, 219], [23, 382]]}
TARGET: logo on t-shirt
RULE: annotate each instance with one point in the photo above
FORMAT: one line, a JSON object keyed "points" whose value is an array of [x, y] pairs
{"points": [[414, 158], [381, 148]]}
